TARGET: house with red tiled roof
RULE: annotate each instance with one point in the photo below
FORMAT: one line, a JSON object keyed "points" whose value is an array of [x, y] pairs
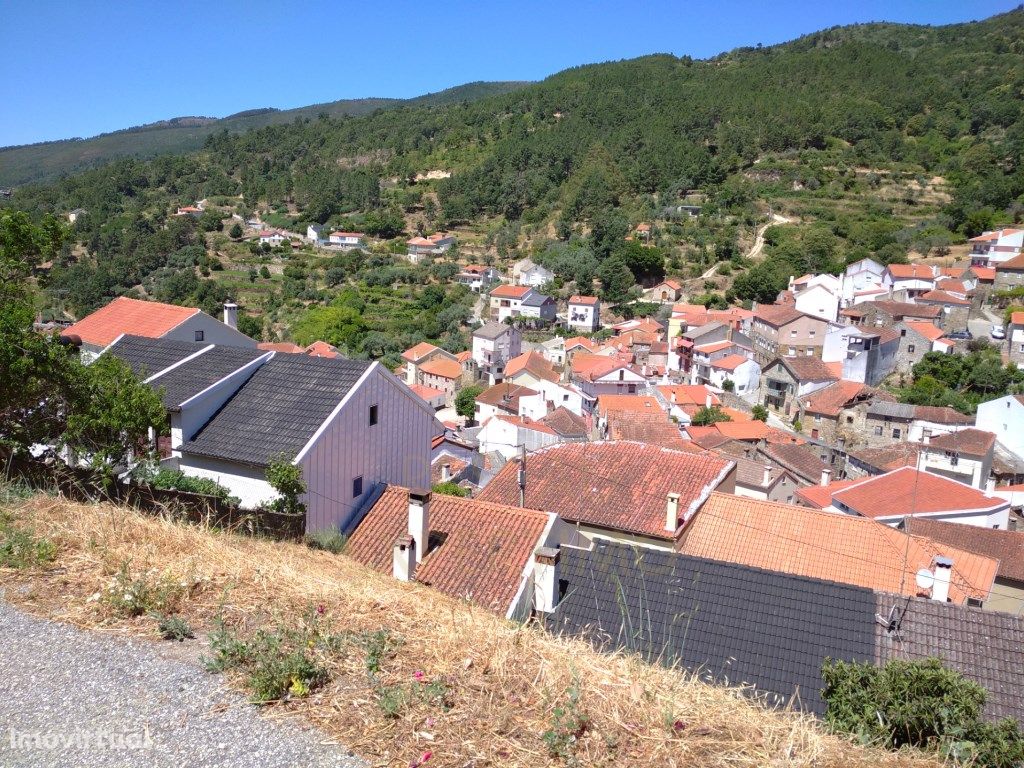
{"points": [[435, 398], [598, 375], [433, 367], [906, 281], [786, 380], [477, 276], [529, 369], [955, 309], [419, 247], [347, 240], [995, 247], [466, 548], [908, 492], [321, 349], [887, 422], [271, 237], [666, 292], [917, 339], [823, 545], [623, 491], [650, 428], [501, 398], [965, 456], [584, 313], [508, 435], [154, 320], [684, 400], [827, 414], [883, 313], [783, 330], [860, 353], [520, 301]]}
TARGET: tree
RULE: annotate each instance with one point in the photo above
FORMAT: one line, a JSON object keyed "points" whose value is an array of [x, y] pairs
{"points": [[236, 231], [617, 282], [728, 385], [264, 272], [285, 477], [759, 413], [337, 325], [705, 417], [448, 488], [465, 401]]}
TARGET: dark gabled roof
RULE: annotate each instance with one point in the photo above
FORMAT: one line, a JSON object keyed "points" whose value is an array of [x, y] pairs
{"points": [[1005, 546], [278, 410], [726, 622], [192, 377], [147, 356], [802, 460], [535, 299], [984, 646]]}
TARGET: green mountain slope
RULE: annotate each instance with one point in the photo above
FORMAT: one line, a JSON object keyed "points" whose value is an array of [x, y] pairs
{"points": [[49, 160]]}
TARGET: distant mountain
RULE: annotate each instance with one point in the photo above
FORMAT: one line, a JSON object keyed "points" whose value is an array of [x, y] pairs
{"points": [[51, 159]]}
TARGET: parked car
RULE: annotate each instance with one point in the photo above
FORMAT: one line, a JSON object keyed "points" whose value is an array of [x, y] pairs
{"points": [[998, 332], [964, 334]]}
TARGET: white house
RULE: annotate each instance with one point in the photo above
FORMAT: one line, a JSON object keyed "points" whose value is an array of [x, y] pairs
{"points": [[477, 276], [437, 243], [553, 350], [908, 281], [996, 246], [741, 371], [867, 355], [347, 239], [1004, 417], [494, 344], [597, 375], [965, 456], [315, 234], [350, 425], [154, 320], [520, 301], [584, 313], [860, 279], [818, 296], [525, 272], [503, 434], [271, 237]]}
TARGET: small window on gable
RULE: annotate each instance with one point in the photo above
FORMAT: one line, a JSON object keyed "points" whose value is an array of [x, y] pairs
{"points": [[357, 487], [199, 335], [373, 415], [910, 348]]}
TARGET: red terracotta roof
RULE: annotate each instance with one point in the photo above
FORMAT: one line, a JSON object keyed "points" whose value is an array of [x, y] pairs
{"points": [[820, 496], [419, 351], [424, 392], [974, 442], [443, 367], [321, 349], [511, 291], [688, 394], [988, 274], [618, 486], [1017, 318], [777, 315], [483, 553], [743, 430], [1005, 546], [809, 368], [714, 346], [629, 404], [649, 428], [830, 400], [284, 347], [591, 300], [943, 297], [505, 395], [825, 545], [909, 492], [123, 315], [911, 271], [729, 362], [455, 465], [929, 330], [533, 363]]}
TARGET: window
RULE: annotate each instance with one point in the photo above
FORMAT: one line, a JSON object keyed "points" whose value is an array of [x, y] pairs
{"points": [[811, 334], [849, 419], [357, 487], [199, 335], [878, 431], [817, 418], [792, 350], [373, 415], [896, 434], [910, 348]]}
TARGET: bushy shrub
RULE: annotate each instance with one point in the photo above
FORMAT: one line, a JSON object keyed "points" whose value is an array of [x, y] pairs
{"points": [[172, 479]]}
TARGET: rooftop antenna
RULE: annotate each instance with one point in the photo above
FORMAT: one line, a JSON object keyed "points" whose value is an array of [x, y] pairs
{"points": [[522, 475]]}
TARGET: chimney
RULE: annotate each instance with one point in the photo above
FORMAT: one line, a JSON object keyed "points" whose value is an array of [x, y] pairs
{"points": [[673, 397], [767, 475], [826, 476], [231, 314], [990, 486], [545, 579], [672, 512], [404, 561], [943, 572], [926, 438], [707, 400], [446, 472], [419, 520]]}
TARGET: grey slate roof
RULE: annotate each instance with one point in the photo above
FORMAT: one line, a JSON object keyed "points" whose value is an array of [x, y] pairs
{"points": [[984, 646], [277, 410], [535, 299], [147, 357], [892, 410], [192, 377], [491, 330], [727, 622]]}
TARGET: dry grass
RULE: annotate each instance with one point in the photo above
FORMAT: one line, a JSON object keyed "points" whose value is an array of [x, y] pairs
{"points": [[504, 680]]}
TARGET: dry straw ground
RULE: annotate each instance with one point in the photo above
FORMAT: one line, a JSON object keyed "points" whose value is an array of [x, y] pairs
{"points": [[503, 682]]}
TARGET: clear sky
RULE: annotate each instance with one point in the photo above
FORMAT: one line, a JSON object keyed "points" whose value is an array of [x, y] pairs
{"points": [[81, 67]]}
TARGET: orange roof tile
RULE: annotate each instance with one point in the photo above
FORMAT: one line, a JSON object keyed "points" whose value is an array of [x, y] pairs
{"points": [[533, 363], [482, 557], [615, 485], [777, 315], [285, 347], [715, 346], [911, 271], [578, 341], [830, 400], [321, 349], [629, 404], [590, 300], [1017, 262], [419, 351], [825, 545], [1017, 318], [688, 394], [984, 273], [907, 491], [820, 496], [975, 442], [123, 315], [729, 362], [743, 430], [652, 428], [505, 395], [929, 330], [443, 367], [424, 392], [943, 297], [511, 291]]}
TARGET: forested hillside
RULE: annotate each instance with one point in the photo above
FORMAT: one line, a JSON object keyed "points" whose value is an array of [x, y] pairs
{"points": [[875, 140]]}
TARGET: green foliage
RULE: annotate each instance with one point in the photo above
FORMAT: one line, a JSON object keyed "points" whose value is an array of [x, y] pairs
{"points": [[286, 478], [962, 381], [450, 488], [21, 548], [707, 416], [920, 704], [728, 385], [176, 480], [235, 233], [328, 540], [465, 400], [131, 594], [568, 724], [759, 413], [174, 628]]}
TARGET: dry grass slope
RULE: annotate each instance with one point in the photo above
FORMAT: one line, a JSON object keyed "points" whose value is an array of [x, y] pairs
{"points": [[505, 681]]}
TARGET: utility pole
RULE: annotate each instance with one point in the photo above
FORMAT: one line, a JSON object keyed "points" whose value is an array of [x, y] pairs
{"points": [[522, 475]]}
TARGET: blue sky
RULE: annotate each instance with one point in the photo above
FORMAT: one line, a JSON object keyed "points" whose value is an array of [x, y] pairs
{"points": [[82, 67]]}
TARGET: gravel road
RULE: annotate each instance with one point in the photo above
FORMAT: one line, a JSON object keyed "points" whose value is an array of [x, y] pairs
{"points": [[74, 698]]}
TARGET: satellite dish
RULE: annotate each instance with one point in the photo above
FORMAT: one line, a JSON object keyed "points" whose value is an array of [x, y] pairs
{"points": [[925, 578]]}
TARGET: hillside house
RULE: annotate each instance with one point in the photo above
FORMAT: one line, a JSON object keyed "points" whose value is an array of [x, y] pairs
{"points": [[905, 282], [347, 240], [955, 309], [476, 277], [501, 399], [584, 313], [271, 237], [435, 244], [862, 278], [526, 272], [918, 338], [989, 249], [785, 331], [419, 354], [831, 414], [817, 295], [666, 292], [866, 355], [965, 456], [494, 344], [512, 301], [883, 313], [315, 234], [506, 434], [597, 375], [154, 320], [787, 380], [887, 422]]}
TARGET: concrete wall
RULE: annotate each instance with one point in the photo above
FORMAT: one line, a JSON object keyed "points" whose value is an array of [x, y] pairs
{"points": [[214, 332], [246, 482]]}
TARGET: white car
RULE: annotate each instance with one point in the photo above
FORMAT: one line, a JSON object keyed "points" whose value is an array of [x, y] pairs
{"points": [[998, 332]]}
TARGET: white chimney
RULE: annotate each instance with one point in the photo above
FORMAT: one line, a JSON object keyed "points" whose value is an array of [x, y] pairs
{"points": [[990, 486], [419, 521], [231, 314], [404, 560], [767, 475], [673, 396], [943, 572], [545, 579], [446, 472], [672, 512], [707, 400], [926, 438], [826, 476]]}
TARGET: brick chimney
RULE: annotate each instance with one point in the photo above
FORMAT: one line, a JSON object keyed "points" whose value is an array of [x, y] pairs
{"points": [[404, 559], [943, 573], [419, 520], [672, 512], [545, 578], [231, 314]]}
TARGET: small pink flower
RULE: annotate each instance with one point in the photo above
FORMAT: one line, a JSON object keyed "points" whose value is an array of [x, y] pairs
{"points": [[418, 675], [678, 725], [321, 609], [430, 722], [424, 757]]}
